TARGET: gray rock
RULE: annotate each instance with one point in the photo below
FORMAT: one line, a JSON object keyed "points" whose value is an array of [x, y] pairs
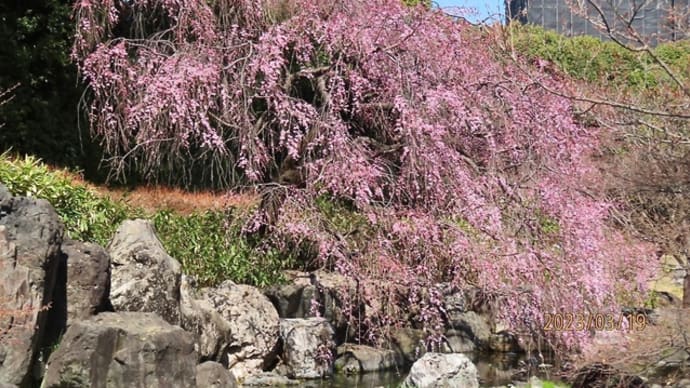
{"points": [[475, 326], [442, 370], [308, 347], [126, 349], [289, 300], [358, 359], [504, 342], [88, 280], [30, 237], [458, 341], [211, 374], [471, 322], [143, 276], [234, 324], [81, 289], [294, 300], [408, 344], [455, 302]]}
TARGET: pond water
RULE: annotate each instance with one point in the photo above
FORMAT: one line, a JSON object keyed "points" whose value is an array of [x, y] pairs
{"points": [[494, 369], [387, 379]]}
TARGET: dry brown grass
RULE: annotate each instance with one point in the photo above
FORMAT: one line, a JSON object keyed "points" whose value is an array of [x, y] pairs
{"points": [[157, 197], [152, 198]]}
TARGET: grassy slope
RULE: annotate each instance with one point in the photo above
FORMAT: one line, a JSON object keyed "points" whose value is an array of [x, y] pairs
{"points": [[202, 230], [604, 63]]}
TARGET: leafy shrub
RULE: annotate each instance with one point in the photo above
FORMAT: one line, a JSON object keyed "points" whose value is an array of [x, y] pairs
{"points": [[591, 59], [210, 247], [342, 219], [87, 216], [677, 56]]}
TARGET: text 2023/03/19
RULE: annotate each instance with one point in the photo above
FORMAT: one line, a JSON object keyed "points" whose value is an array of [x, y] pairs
{"points": [[578, 321]]}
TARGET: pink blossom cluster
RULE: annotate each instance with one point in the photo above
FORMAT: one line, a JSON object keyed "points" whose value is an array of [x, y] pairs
{"points": [[465, 169]]}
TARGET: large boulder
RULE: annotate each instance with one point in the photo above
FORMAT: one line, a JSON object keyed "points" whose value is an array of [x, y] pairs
{"points": [[357, 359], [30, 237], [234, 324], [442, 370], [458, 341], [408, 343], [143, 276], [290, 300], [455, 302], [88, 279], [308, 347], [296, 299], [504, 341], [81, 289], [126, 349], [474, 327], [211, 374], [668, 282], [82, 286], [472, 323]]}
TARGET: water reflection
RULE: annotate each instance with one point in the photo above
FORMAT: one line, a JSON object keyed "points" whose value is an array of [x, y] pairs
{"points": [[494, 369], [388, 379]]}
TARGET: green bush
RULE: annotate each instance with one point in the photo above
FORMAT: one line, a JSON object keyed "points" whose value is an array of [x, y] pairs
{"points": [[340, 217], [87, 217], [210, 246], [591, 59], [677, 56]]}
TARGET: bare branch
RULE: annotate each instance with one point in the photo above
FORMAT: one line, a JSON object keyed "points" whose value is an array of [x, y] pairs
{"points": [[632, 35], [615, 104], [6, 96]]}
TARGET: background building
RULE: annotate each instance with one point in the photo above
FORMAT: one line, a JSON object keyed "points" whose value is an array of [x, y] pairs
{"points": [[655, 20]]}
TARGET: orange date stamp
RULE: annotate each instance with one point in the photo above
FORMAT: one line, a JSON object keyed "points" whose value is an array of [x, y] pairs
{"points": [[569, 321]]}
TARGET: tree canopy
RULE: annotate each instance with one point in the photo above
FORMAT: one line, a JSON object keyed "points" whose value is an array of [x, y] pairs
{"points": [[42, 117]]}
